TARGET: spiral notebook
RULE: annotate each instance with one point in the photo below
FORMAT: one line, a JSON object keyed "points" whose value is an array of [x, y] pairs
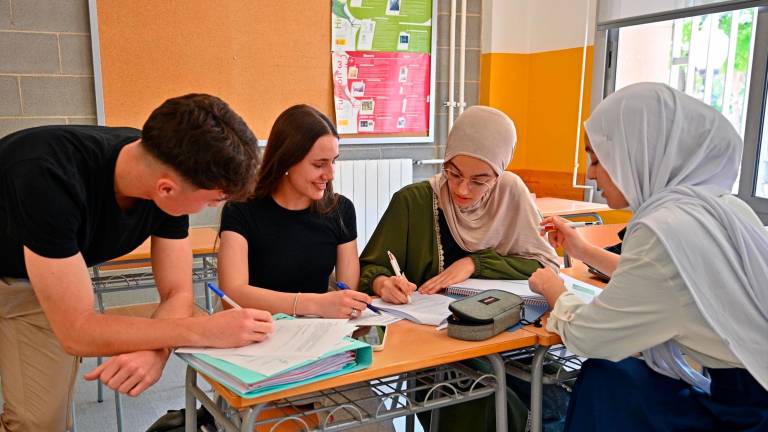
{"points": [[520, 287]]}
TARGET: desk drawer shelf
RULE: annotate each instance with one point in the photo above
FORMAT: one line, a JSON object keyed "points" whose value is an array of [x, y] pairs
{"points": [[358, 404]]}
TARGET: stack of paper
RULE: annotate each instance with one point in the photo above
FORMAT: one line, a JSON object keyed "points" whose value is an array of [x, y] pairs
{"points": [[297, 352], [429, 309], [369, 318]]}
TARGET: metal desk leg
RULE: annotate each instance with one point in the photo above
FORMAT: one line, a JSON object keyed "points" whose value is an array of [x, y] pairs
{"points": [[501, 391], [410, 420], [74, 417], [190, 411], [537, 390], [100, 304], [206, 291], [119, 411]]}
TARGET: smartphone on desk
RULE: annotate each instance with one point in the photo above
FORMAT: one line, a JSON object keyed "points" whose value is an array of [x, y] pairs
{"points": [[375, 336], [598, 274]]}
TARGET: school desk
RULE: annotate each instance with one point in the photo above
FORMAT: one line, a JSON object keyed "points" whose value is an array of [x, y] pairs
{"points": [[105, 280], [416, 357], [569, 208], [549, 349]]}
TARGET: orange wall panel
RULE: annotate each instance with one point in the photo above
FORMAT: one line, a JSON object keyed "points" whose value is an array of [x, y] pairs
{"points": [[553, 107], [540, 92], [504, 85]]}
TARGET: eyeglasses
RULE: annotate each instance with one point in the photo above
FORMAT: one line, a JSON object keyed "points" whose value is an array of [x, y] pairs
{"points": [[472, 183]]}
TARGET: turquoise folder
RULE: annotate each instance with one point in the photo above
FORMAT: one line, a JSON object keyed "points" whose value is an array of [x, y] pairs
{"points": [[237, 378]]}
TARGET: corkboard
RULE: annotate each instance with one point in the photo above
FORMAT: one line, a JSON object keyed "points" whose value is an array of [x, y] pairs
{"points": [[259, 56]]}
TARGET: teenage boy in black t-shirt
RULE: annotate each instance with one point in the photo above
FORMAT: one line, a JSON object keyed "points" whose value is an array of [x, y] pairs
{"points": [[75, 196]]}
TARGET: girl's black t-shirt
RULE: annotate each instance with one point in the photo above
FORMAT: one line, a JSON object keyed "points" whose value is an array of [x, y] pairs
{"points": [[290, 250]]}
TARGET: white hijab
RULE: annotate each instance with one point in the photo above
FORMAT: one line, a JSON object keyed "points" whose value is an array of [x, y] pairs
{"points": [[672, 157], [505, 218]]}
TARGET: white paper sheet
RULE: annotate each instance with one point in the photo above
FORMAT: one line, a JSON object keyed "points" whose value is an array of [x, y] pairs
{"points": [[429, 309]]}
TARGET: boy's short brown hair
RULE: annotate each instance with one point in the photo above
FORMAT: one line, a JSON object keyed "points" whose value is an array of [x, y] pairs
{"points": [[206, 142]]}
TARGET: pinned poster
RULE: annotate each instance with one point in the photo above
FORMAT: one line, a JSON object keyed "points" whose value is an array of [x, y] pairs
{"points": [[381, 92], [381, 25], [381, 52]]}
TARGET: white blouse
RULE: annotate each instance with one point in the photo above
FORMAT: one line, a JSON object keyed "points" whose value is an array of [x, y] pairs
{"points": [[646, 303]]}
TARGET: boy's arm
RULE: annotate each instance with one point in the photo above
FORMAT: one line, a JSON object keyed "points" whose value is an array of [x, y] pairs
{"points": [[172, 267], [132, 373], [63, 287]]}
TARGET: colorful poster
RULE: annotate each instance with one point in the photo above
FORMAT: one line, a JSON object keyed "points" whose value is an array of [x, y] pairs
{"points": [[381, 25], [381, 65], [381, 92]]}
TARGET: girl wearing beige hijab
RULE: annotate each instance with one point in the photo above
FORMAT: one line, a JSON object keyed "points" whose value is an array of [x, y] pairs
{"points": [[472, 220]]}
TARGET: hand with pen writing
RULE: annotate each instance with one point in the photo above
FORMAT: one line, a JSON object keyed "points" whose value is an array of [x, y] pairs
{"points": [[394, 289], [334, 304], [560, 233], [233, 328]]}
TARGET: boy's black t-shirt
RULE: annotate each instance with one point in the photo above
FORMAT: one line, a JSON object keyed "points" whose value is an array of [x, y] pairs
{"points": [[57, 198], [290, 250]]}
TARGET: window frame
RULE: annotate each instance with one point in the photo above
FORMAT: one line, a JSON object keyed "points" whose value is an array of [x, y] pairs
{"points": [[756, 124]]}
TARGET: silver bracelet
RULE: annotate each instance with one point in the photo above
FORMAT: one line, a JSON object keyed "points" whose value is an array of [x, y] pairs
{"points": [[295, 302]]}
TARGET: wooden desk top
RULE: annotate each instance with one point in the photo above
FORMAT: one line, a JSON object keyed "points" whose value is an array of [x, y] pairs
{"points": [[409, 347], [559, 207], [202, 240], [577, 271]]}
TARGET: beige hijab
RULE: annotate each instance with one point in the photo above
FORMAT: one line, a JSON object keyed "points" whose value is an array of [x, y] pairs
{"points": [[505, 219]]}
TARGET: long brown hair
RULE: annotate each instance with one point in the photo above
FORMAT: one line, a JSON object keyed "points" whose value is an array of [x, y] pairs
{"points": [[291, 138]]}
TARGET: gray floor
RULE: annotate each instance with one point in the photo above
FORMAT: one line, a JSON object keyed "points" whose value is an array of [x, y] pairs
{"points": [[138, 413]]}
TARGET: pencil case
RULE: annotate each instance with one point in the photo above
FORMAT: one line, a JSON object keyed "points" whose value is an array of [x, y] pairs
{"points": [[484, 315]]}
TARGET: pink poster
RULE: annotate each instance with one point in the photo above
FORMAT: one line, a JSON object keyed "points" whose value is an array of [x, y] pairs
{"points": [[381, 92]]}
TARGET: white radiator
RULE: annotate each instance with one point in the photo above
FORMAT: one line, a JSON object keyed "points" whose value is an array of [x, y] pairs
{"points": [[370, 184]]}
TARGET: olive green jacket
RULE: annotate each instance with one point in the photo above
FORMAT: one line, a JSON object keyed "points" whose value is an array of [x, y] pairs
{"points": [[410, 230]]}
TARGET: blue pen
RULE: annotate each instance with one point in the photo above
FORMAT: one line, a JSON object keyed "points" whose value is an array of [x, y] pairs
{"points": [[343, 286], [223, 296]]}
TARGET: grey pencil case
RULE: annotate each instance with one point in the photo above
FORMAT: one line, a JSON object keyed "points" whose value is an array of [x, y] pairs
{"points": [[484, 315]]}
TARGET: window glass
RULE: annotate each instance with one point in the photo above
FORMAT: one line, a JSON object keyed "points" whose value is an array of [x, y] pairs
{"points": [[708, 57]]}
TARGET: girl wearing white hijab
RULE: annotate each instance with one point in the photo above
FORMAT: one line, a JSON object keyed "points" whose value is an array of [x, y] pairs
{"points": [[473, 220], [692, 278]]}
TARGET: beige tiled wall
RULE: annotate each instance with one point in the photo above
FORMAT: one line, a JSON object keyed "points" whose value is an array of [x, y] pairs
{"points": [[46, 70]]}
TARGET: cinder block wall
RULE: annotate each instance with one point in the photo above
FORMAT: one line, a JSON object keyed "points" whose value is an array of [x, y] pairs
{"points": [[46, 70]]}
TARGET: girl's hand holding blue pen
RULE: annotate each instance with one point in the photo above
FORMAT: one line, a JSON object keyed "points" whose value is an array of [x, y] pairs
{"points": [[344, 303]]}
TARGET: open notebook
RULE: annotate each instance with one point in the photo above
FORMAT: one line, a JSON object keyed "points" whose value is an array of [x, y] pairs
{"points": [[585, 291], [520, 287]]}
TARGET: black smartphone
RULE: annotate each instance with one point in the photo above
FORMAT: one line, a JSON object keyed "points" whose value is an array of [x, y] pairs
{"points": [[600, 275], [374, 336]]}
